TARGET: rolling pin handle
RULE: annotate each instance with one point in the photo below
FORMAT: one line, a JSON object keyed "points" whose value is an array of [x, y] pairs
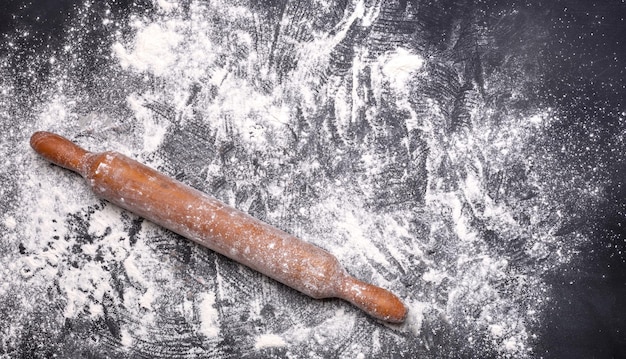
{"points": [[376, 301], [58, 150]]}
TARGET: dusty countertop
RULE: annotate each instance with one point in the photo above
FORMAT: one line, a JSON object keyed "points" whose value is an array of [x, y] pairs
{"points": [[466, 155]]}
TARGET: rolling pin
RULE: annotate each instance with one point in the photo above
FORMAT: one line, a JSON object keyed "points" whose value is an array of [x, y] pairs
{"points": [[223, 229]]}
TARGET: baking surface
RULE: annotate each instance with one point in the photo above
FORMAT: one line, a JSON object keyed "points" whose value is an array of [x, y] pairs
{"points": [[466, 155]]}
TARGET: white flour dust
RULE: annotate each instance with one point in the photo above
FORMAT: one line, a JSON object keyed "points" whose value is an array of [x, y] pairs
{"points": [[209, 316], [401, 66], [268, 341], [152, 51], [322, 129]]}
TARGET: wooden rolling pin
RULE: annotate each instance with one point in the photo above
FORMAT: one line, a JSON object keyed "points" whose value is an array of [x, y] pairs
{"points": [[209, 222]]}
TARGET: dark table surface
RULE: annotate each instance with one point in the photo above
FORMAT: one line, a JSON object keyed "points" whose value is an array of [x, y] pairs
{"points": [[467, 155]]}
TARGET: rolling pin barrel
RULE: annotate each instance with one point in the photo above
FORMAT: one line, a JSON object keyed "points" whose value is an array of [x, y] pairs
{"points": [[224, 229]]}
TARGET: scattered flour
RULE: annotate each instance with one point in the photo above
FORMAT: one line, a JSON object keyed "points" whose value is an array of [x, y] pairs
{"points": [[401, 66], [154, 129], [10, 222], [209, 316], [154, 49], [126, 338], [238, 100], [434, 276], [269, 341], [166, 5], [415, 316]]}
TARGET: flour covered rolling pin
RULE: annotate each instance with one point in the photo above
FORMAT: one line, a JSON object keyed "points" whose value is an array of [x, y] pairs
{"points": [[209, 222]]}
